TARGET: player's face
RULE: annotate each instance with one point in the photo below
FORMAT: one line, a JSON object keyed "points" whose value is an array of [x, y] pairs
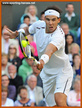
{"points": [[51, 23]]}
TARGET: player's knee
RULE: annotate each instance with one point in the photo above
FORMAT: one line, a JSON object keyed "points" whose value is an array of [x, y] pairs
{"points": [[59, 102], [60, 99]]}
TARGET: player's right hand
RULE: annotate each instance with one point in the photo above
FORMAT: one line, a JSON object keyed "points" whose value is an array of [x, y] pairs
{"points": [[40, 65], [10, 34]]}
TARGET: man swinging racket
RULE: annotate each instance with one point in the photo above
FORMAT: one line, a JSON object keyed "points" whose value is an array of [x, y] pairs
{"points": [[56, 71]]}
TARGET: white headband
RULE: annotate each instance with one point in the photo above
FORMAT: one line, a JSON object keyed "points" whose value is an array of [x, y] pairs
{"points": [[52, 12]]}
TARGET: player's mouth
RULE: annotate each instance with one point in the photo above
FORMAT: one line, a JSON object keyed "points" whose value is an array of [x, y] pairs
{"points": [[50, 28]]}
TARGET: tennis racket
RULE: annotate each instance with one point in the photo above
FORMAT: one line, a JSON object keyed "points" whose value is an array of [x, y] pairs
{"points": [[26, 50]]}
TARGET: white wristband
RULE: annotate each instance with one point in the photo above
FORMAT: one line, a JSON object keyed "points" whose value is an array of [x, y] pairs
{"points": [[45, 58]]}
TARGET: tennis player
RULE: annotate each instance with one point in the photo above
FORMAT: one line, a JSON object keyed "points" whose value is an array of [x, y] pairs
{"points": [[56, 71]]}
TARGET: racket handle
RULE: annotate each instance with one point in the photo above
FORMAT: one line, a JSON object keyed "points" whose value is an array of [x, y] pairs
{"points": [[37, 62], [21, 30]]}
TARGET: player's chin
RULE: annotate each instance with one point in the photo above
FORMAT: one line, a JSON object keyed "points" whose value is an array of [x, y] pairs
{"points": [[51, 30]]}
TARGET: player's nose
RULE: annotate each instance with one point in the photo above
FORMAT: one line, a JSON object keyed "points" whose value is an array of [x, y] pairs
{"points": [[50, 22]]}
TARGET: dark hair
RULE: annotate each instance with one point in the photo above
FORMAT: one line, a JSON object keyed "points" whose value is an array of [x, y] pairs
{"points": [[54, 8], [5, 89], [42, 13], [70, 35], [68, 4], [66, 45], [75, 55], [26, 17], [5, 75], [21, 87]]}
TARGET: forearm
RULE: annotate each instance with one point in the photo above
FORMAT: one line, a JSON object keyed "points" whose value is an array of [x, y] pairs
{"points": [[23, 31], [13, 34], [47, 55], [49, 51]]}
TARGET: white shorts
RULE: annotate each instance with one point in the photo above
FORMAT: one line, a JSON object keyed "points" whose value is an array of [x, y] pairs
{"points": [[56, 83]]}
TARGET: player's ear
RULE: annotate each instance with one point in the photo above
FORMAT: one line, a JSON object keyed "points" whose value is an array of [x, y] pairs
{"points": [[59, 19]]}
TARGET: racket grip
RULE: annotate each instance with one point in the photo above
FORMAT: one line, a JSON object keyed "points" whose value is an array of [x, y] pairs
{"points": [[21, 30], [37, 62]]}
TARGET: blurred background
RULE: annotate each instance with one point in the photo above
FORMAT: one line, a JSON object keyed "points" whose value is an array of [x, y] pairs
{"points": [[18, 79], [11, 13]]}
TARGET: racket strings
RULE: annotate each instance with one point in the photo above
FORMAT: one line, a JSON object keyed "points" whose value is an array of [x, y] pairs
{"points": [[28, 51]]}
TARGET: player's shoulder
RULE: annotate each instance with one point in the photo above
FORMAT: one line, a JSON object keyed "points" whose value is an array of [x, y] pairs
{"points": [[40, 23], [59, 32]]}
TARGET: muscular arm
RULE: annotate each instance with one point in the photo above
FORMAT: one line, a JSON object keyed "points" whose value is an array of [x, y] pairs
{"points": [[12, 34], [49, 51]]}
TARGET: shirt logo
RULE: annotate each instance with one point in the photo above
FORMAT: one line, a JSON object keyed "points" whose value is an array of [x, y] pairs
{"points": [[58, 87], [50, 12], [43, 27], [37, 27]]}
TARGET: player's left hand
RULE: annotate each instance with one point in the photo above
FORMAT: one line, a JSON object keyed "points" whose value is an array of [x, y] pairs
{"points": [[41, 65], [11, 34]]}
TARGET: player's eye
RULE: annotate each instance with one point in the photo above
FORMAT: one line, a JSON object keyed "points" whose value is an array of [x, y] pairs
{"points": [[47, 19], [53, 19]]}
